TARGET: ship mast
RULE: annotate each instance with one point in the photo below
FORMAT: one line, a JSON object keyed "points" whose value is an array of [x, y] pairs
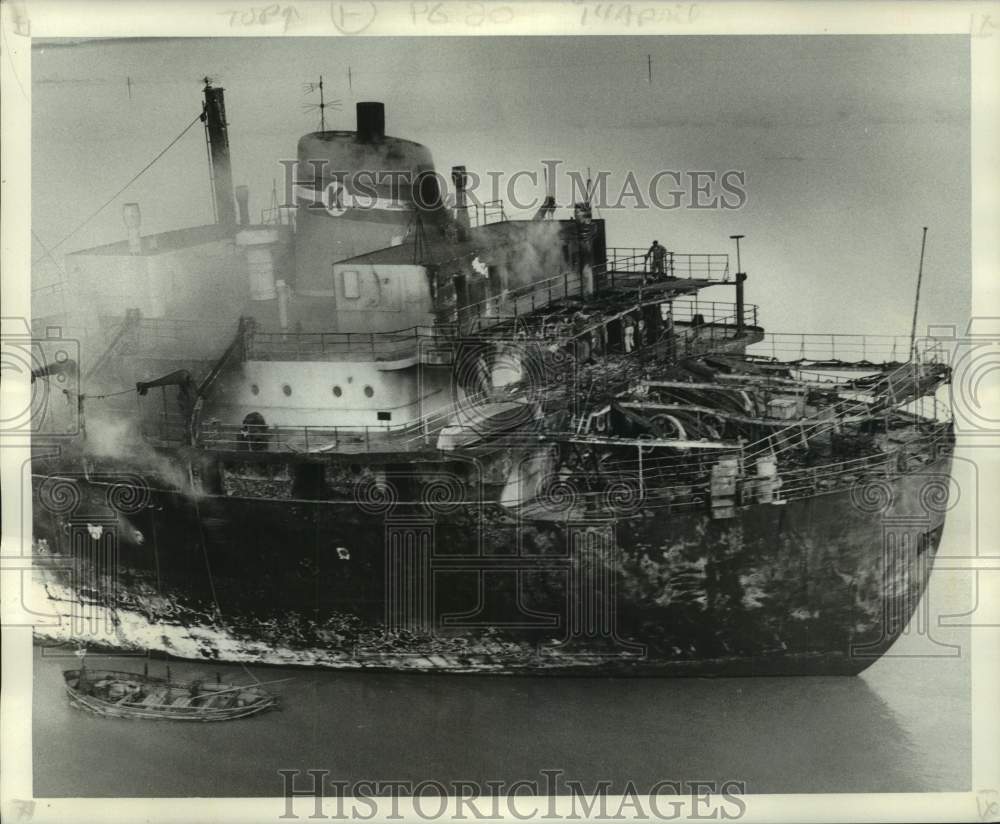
{"points": [[916, 301], [740, 277]]}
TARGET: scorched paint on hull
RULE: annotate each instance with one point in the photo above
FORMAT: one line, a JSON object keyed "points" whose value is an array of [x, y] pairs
{"points": [[819, 585]]}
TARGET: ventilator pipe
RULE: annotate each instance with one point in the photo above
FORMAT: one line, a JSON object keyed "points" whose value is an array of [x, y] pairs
{"points": [[282, 289], [460, 179], [243, 204]]}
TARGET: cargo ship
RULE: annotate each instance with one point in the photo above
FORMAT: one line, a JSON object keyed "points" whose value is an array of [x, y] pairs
{"points": [[389, 427]]}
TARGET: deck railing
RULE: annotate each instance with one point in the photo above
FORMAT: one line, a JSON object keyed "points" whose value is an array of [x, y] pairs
{"points": [[382, 346], [414, 434], [807, 482], [523, 300], [662, 481], [722, 313], [623, 261], [700, 339], [157, 334], [821, 347], [482, 214], [297, 439]]}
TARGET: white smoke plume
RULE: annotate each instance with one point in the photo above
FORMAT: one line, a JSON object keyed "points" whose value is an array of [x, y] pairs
{"points": [[534, 256], [118, 439]]}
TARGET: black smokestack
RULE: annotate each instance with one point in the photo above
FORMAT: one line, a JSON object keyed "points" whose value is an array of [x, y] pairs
{"points": [[214, 115], [461, 180], [371, 121]]}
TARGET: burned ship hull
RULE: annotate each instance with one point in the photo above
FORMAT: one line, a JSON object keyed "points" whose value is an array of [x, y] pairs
{"points": [[820, 584], [445, 440]]}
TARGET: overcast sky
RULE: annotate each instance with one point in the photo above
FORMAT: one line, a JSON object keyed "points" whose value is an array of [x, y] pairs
{"points": [[849, 144]]}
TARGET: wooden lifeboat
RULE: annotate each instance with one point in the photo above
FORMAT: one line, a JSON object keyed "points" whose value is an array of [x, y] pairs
{"points": [[116, 694]]}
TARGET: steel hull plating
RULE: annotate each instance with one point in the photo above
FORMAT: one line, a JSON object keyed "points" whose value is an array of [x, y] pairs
{"points": [[819, 585]]}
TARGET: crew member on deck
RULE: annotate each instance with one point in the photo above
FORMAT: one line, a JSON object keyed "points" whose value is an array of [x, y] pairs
{"points": [[658, 255]]}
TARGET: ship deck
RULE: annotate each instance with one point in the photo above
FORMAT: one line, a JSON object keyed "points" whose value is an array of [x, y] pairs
{"points": [[612, 378]]}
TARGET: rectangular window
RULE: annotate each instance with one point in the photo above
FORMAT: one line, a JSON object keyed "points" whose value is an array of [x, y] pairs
{"points": [[385, 416], [352, 287]]}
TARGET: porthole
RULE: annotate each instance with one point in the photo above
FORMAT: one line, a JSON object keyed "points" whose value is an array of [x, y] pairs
{"points": [[254, 389], [369, 391], [286, 389], [337, 391]]}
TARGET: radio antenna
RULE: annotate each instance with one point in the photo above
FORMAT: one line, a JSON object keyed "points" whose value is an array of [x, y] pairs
{"points": [[308, 88]]}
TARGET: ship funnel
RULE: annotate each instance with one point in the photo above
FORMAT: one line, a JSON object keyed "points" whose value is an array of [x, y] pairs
{"points": [[214, 116], [371, 121], [337, 219], [133, 222]]}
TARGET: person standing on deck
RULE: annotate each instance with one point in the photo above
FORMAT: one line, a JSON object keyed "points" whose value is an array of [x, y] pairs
{"points": [[658, 255]]}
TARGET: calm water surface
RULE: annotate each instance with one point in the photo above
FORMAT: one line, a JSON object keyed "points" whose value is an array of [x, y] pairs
{"points": [[903, 726]]}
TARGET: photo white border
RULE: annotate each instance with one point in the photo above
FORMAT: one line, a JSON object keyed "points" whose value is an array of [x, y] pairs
{"points": [[22, 21]]}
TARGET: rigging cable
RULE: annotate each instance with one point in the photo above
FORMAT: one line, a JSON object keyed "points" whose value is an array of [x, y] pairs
{"points": [[134, 178], [97, 397]]}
